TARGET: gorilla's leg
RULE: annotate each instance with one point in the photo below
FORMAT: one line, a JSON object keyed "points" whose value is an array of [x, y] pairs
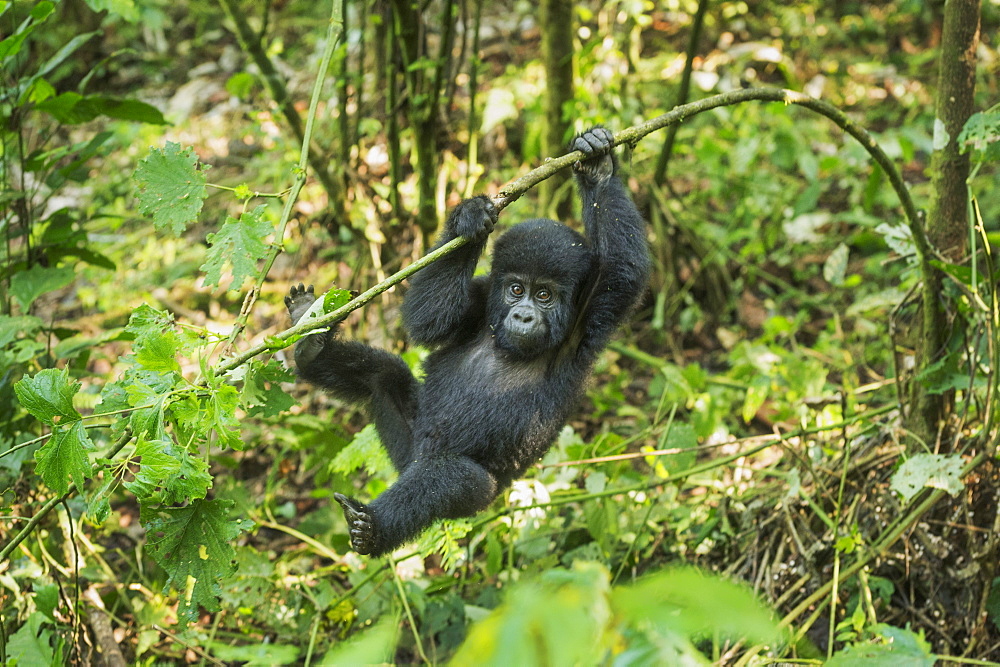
{"points": [[427, 490]]}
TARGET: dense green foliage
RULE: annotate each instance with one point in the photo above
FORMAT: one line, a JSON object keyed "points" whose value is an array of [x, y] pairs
{"points": [[738, 484]]}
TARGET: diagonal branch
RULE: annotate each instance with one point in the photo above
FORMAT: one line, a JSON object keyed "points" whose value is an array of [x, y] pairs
{"points": [[513, 190]]}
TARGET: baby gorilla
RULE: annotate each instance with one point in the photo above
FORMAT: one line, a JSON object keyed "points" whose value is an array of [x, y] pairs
{"points": [[511, 352]]}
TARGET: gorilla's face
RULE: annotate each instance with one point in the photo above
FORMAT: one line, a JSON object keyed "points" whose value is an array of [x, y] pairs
{"points": [[532, 315], [539, 267]]}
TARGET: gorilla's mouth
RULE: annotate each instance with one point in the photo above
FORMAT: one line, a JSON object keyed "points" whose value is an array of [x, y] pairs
{"points": [[526, 341], [526, 333]]}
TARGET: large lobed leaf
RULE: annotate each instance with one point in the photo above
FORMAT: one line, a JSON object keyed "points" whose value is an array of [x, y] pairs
{"points": [[170, 187], [48, 396], [193, 545], [239, 244]]}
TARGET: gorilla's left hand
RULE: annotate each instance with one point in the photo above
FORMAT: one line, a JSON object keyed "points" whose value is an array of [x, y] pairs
{"points": [[597, 144]]}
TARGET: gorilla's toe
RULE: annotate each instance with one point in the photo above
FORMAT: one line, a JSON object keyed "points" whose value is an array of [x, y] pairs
{"points": [[359, 522]]}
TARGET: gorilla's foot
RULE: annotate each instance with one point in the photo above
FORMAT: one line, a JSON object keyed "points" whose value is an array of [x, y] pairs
{"points": [[360, 523], [298, 301]]}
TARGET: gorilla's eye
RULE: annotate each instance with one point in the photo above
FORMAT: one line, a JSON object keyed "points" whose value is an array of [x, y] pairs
{"points": [[516, 289], [543, 295]]}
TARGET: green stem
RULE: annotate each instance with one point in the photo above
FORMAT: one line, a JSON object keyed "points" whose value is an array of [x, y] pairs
{"points": [[409, 613], [251, 44], [682, 93], [334, 32]]}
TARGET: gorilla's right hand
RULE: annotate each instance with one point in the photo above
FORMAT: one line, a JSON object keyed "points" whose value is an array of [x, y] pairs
{"points": [[474, 218], [298, 301], [597, 145]]}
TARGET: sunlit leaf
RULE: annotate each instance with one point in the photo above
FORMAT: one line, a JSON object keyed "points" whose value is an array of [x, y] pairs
{"points": [[560, 618], [239, 245], [63, 458], [895, 647], [221, 414], [170, 187], [48, 396], [938, 471], [374, 646], [982, 133], [691, 603], [835, 267], [123, 8], [364, 451]]}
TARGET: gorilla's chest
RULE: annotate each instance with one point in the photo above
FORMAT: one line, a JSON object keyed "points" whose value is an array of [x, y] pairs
{"points": [[476, 378], [488, 371]]}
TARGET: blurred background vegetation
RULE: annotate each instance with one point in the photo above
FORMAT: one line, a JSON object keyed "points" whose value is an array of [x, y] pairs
{"points": [[750, 421]]}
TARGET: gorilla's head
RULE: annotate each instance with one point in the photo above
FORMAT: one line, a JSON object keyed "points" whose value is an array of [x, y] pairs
{"points": [[539, 267]]}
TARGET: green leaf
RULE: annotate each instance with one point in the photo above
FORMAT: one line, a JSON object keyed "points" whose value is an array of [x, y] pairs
{"points": [[222, 415], [48, 396], [993, 603], [155, 342], [37, 91], [158, 353], [897, 648], [11, 46], [168, 474], [262, 393], [65, 51], [899, 238], [32, 643], [835, 267], [42, 10], [757, 392], [147, 321], [241, 84], [147, 392], [73, 109], [239, 244], [156, 464], [335, 298], [443, 538], [46, 598], [192, 545], [12, 327], [374, 646], [366, 451], [170, 187], [27, 286], [123, 8], [256, 653], [561, 618], [938, 471], [64, 458], [982, 134], [687, 602], [99, 500]]}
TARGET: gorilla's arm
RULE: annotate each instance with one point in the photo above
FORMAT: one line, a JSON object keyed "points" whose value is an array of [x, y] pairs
{"points": [[617, 236], [444, 300]]}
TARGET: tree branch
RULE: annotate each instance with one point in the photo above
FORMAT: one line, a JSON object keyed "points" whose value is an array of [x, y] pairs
{"points": [[513, 191]]}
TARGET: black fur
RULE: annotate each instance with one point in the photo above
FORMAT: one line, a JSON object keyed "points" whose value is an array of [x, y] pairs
{"points": [[512, 351]]}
